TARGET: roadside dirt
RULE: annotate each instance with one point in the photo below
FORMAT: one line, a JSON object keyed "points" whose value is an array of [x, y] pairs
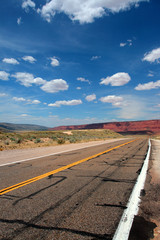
{"points": [[155, 181], [150, 207]]}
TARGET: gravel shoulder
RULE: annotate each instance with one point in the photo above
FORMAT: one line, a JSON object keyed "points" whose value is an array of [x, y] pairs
{"points": [[150, 206], [9, 156]]}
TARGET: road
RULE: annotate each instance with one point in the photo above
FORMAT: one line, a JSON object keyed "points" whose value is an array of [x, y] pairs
{"points": [[82, 200]]}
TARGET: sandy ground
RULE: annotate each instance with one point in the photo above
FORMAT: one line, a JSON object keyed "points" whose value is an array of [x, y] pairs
{"points": [[10, 156]]}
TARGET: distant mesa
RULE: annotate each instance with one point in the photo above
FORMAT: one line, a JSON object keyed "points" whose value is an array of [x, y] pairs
{"points": [[131, 127]]}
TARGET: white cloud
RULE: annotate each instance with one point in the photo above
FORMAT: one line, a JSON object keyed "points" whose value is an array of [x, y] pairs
{"points": [[19, 20], [152, 56], [148, 86], [28, 3], [39, 81], [150, 74], [24, 115], [78, 88], [116, 101], [129, 43], [118, 79], [4, 76], [123, 44], [91, 97], [81, 79], [55, 85], [3, 95], [29, 59], [85, 11], [10, 61], [21, 99], [28, 101], [66, 103], [95, 58], [27, 79], [54, 62], [33, 101]]}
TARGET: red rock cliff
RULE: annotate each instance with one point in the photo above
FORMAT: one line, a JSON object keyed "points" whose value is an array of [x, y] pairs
{"points": [[148, 126]]}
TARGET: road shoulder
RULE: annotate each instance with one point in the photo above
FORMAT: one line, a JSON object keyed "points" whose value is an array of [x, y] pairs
{"points": [[147, 223]]}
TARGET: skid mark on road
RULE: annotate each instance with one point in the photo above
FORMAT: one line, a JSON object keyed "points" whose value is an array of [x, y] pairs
{"points": [[77, 232], [62, 178]]}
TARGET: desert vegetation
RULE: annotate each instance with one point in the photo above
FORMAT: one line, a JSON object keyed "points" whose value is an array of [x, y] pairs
{"points": [[13, 140]]}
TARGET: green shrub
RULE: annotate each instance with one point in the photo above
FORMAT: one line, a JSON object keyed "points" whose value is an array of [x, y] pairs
{"points": [[61, 141], [18, 140], [12, 139], [54, 138], [37, 140], [72, 140]]}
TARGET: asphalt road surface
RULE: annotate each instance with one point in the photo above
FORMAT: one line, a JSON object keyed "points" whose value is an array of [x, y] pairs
{"points": [[81, 201]]}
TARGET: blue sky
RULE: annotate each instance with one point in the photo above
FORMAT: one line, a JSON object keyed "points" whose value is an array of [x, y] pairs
{"points": [[66, 62]]}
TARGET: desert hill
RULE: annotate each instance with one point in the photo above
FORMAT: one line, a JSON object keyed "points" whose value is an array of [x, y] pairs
{"points": [[133, 127], [9, 127]]}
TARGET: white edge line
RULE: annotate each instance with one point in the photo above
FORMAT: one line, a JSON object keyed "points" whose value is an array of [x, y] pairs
{"points": [[29, 159], [125, 224]]}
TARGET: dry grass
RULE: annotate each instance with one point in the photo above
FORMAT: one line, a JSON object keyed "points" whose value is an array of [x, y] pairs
{"points": [[14, 140]]}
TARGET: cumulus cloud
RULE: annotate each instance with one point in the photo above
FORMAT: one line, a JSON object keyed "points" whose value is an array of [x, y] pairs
{"points": [[28, 4], [27, 101], [27, 79], [116, 101], [29, 59], [148, 86], [55, 85], [66, 103], [81, 79], [33, 101], [10, 61], [152, 56], [39, 81], [118, 79], [91, 97], [21, 99], [19, 20], [85, 11], [4, 76], [54, 62]]}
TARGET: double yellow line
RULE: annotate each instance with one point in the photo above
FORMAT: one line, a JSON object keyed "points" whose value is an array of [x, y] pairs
{"points": [[31, 180]]}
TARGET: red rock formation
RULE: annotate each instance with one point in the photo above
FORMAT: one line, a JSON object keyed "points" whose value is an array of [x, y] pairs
{"points": [[148, 126]]}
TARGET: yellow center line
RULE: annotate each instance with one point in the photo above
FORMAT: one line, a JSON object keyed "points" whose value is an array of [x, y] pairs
{"points": [[18, 185]]}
